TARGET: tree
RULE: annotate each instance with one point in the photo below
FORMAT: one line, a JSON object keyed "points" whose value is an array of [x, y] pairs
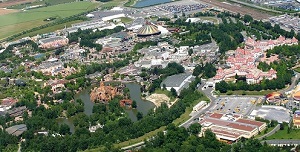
{"points": [[139, 115], [134, 104], [195, 129], [247, 18], [164, 87], [64, 129], [173, 92], [190, 52]]}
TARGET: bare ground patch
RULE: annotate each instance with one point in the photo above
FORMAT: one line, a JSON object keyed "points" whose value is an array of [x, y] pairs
{"points": [[14, 2], [4, 11]]}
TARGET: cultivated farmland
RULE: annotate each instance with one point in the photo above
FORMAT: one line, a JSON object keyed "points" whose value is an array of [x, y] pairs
{"points": [[17, 22]]}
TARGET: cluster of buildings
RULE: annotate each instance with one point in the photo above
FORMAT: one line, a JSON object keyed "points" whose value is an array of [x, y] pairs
{"points": [[54, 67], [287, 21], [244, 61], [296, 119], [7, 108], [230, 127], [57, 86], [7, 104]]}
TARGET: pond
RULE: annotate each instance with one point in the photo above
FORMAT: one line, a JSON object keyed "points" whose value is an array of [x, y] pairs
{"points": [[68, 122], [143, 106], [146, 3]]}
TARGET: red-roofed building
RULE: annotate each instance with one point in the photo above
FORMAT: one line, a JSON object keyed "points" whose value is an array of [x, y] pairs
{"points": [[231, 127]]}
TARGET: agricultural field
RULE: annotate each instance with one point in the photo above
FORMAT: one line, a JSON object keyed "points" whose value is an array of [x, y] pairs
{"points": [[20, 21]]}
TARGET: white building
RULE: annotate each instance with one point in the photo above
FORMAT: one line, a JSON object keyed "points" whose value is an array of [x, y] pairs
{"points": [[178, 82]]}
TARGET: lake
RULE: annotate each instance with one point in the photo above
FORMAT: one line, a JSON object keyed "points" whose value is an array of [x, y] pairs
{"points": [[146, 3]]}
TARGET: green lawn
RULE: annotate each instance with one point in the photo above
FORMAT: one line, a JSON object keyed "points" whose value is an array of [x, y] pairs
{"points": [[283, 134], [297, 69], [20, 21], [126, 19], [185, 116], [263, 132], [160, 91], [130, 3]]}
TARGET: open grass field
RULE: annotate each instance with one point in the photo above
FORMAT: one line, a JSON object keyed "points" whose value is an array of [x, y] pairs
{"points": [[49, 29], [20, 21], [37, 2]]}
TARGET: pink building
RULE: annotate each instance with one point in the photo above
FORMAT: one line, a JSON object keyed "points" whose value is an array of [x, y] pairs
{"points": [[243, 62], [53, 42]]}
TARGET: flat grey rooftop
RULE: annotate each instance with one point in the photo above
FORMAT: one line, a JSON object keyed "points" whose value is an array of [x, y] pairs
{"points": [[277, 113], [16, 129], [175, 80], [47, 40]]}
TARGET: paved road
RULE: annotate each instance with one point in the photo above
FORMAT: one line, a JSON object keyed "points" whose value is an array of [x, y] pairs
{"points": [[294, 83], [208, 93]]}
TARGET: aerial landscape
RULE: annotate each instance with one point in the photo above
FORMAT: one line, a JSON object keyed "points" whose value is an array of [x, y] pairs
{"points": [[150, 75]]}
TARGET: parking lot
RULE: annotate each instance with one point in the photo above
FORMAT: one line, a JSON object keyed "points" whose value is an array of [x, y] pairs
{"points": [[278, 113], [234, 105]]}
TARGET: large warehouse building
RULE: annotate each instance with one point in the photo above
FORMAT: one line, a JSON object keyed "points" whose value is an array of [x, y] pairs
{"points": [[231, 128]]}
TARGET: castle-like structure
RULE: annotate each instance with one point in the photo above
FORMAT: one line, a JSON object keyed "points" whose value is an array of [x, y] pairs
{"points": [[105, 93], [243, 62]]}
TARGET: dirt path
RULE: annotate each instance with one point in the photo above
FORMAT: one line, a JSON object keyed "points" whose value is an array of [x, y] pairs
{"points": [[238, 9]]}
